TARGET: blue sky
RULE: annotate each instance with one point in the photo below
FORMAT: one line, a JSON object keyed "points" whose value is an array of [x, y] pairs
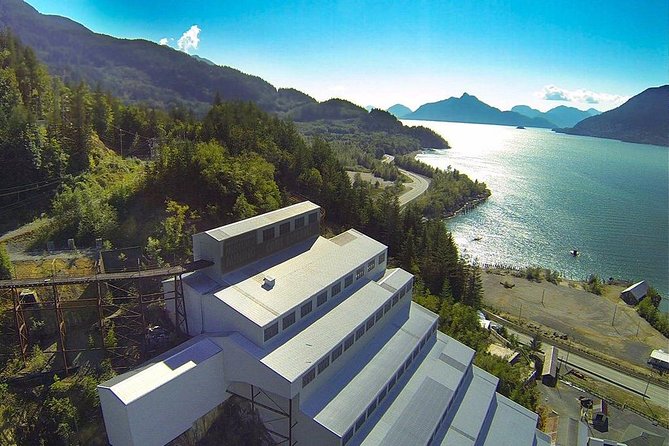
{"points": [[579, 53]]}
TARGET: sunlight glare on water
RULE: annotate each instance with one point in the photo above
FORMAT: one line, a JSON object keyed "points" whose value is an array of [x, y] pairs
{"points": [[552, 193]]}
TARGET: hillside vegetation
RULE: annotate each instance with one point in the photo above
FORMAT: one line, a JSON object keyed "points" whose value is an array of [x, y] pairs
{"points": [[134, 175]]}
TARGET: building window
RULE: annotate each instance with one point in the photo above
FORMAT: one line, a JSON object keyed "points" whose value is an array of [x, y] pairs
{"points": [[359, 273], [371, 408], [400, 372], [306, 309], [382, 395], [299, 222], [267, 234], [370, 265], [370, 322], [359, 332], [271, 331], [336, 289], [407, 363], [347, 436], [402, 292], [382, 257], [396, 298], [415, 352], [288, 320], [308, 377], [391, 383], [312, 217], [360, 422], [322, 298], [386, 307], [348, 281], [323, 364], [379, 314], [284, 228], [336, 353], [349, 342]]}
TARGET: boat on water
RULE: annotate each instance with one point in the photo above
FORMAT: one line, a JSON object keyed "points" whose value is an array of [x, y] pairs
{"points": [[477, 239], [520, 127], [574, 252]]}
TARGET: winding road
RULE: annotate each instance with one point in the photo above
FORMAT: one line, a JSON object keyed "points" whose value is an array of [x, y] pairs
{"points": [[417, 187]]}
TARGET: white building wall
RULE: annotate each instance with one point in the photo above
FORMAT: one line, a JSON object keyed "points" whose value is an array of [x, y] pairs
{"points": [[117, 421], [205, 247], [164, 413], [243, 367], [219, 316]]}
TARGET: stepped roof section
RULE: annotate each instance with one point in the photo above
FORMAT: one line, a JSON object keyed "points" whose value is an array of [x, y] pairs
{"points": [[299, 273]]}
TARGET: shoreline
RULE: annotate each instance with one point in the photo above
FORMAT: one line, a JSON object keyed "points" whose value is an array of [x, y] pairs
{"points": [[467, 207]]}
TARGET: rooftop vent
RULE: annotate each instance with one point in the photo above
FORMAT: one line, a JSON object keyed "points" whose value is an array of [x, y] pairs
{"points": [[268, 282]]}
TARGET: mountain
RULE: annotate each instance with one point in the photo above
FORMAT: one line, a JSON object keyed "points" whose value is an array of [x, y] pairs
{"points": [[133, 70], [399, 110], [561, 116], [202, 59], [643, 119], [469, 108]]}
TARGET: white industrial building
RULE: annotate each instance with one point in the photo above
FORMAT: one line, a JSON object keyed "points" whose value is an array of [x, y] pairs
{"points": [[322, 338]]}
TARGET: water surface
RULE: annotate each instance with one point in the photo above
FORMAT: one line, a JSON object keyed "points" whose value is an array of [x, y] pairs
{"points": [[553, 192]]}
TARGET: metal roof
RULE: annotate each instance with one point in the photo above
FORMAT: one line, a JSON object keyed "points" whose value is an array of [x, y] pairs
{"points": [[337, 404], [473, 410], [511, 425], [660, 355], [434, 367], [131, 386], [300, 272], [638, 290], [302, 351], [260, 221]]}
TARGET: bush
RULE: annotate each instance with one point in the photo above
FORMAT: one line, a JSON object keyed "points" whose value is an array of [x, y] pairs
{"points": [[594, 285]]}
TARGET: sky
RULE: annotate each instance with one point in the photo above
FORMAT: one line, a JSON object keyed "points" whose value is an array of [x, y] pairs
{"points": [[538, 53]]}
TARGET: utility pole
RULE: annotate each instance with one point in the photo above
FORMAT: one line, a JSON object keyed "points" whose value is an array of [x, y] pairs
{"points": [[615, 309], [542, 298]]}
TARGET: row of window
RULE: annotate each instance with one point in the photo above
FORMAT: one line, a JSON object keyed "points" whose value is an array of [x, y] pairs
{"points": [[443, 415], [321, 299], [353, 337], [388, 387], [284, 228]]}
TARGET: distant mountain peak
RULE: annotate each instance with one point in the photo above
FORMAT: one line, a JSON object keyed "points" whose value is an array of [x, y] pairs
{"points": [[469, 108], [399, 110], [643, 119]]}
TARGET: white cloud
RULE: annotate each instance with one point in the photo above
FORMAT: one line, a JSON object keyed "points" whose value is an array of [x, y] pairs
{"points": [[553, 93], [164, 41], [189, 40]]}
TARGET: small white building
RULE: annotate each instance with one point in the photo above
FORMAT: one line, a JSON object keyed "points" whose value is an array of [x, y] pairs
{"points": [[322, 338], [633, 294]]}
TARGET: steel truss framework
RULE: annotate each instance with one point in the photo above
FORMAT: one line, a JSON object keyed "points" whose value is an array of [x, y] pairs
{"points": [[280, 414], [125, 313]]}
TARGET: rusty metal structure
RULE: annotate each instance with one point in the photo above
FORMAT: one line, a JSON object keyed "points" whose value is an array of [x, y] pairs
{"points": [[119, 304]]}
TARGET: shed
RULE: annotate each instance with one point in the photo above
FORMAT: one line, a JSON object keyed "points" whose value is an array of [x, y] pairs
{"points": [[549, 371], [659, 359], [637, 436], [633, 294]]}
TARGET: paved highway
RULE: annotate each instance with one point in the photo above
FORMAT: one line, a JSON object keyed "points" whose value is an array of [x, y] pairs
{"points": [[654, 392], [417, 187]]}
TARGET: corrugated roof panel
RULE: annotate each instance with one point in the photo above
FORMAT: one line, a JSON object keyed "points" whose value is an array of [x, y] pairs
{"points": [[421, 415], [511, 425], [260, 221], [338, 403], [297, 278], [134, 385], [471, 412], [296, 355]]}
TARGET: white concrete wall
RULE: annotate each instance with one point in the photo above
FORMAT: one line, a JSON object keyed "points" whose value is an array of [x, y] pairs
{"points": [[219, 316], [117, 421], [241, 366], [205, 247], [168, 411]]}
